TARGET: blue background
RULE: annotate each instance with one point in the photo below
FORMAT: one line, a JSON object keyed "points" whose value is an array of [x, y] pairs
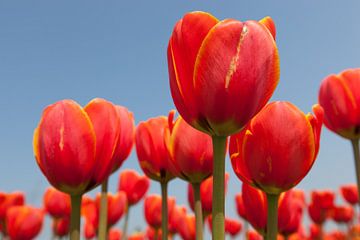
{"points": [[52, 50]]}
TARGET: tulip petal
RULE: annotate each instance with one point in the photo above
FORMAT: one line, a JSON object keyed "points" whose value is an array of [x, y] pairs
{"points": [[105, 120], [269, 24], [238, 65], [64, 145]]}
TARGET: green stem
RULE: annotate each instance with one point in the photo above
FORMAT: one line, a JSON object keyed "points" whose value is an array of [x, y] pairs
{"points": [[198, 211], [75, 217], [102, 234], [156, 235], [272, 216], [126, 223], [355, 145], [218, 207], [164, 211]]}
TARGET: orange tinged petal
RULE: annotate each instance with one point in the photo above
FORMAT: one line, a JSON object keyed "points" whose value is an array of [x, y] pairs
{"points": [[269, 24]]}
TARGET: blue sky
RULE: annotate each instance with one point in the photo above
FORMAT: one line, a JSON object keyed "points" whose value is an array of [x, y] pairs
{"points": [[117, 50]]}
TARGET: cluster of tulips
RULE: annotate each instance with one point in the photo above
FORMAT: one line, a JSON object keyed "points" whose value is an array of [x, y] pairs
{"points": [[221, 75]]}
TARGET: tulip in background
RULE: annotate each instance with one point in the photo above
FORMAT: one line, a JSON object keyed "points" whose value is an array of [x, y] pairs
{"points": [[74, 148], [57, 204], [350, 193], [154, 158], [191, 154], [219, 79], [8, 200], [135, 187], [24, 222], [339, 95], [60, 227], [275, 151]]}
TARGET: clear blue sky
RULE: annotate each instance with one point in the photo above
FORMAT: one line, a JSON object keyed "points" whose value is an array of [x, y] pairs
{"points": [[51, 50]]}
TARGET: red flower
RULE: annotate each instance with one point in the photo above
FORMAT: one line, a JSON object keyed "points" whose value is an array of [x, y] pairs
{"points": [[126, 137], [117, 204], [217, 65], [206, 193], [350, 193], [253, 235], [152, 209], [137, 236], [232, 226], [187, 228], [56, 203], [133, 185], [61, 226], [151, 149], [339, 96], [176, 218], [190, 151], [8, 200], [24, 222], [323, 199], [153, 234], [74, 146], [342, 214], [277, 148], [114, 234], [239, 202], [290, 212]]}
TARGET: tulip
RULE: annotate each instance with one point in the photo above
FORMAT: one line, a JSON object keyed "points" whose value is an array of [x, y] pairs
{"points": [[135, 187], [342, 214], [176, 218], [8, 200], [117, 204], [74, 148], [350, 193], [153, 234], [137, 236], [114, 234], [154, 158], [125, 141], [24, 222], [61, 226], [275, 151], [232, 226], [209, 75], [153, 210], [90, 212], [187, 228], [323, 199], [253, 235], [316, 232], [191, 153], [339, 96], [56, 203]]}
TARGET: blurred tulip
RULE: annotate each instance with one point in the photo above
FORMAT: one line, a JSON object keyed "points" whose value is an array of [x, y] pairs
{"points": [[8, 200], [339, 96], [176, 219], [153, 234], [61, 226], [114, 234], [253, 235], [323, 199], [290, 212], [24, 222], [133, 185], [335, 235], [56, 203], [316, 214], [258, 151], [239, 202], [126, 137], [90, 212], [206, 194], [350, 193], [152, 209], [342, 214], [232, 227], [187, 228], [206, 74], [316, 232], [117, 204]]}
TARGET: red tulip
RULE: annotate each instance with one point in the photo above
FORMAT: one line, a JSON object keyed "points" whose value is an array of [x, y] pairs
{"points": [[316, 214], [152, 209], [239, 202], [125, 140], [336, 235], [206, 194], [176, 218], [24, 222], [290, 213], [74, 146], [253, 235], [187, 229], [323, 199], [232, 226], [133, 185], [340, 97], [61, 226], [153, 234], [350, 193], [316, 232], [277, 148], [56, 203], [114, 234], [90, 212], [117, 204], [151, 149], [8, 200], [190, 151], [342, 214], [215, 65]]}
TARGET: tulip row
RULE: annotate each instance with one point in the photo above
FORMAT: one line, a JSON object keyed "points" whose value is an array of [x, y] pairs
{"points": [[222, 74], [20, 221]]}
